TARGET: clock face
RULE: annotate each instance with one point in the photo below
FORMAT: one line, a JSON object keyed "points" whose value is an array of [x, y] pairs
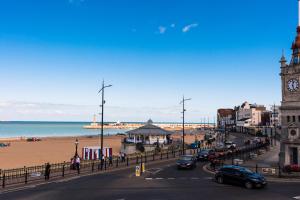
{"points": [[293, 85]]}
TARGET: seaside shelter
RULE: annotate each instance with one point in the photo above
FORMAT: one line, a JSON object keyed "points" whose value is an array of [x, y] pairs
{"points": [[148, 134]]}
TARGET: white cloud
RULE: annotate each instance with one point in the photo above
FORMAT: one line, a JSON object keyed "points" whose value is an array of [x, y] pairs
{"points": [[187, 28], [24, 111], [162, 29], [172, 25]]}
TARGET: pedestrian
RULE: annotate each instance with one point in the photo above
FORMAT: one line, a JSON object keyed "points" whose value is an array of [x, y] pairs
{"points": [[77, 162], [47, 171], [110, 160], [123, 156]]}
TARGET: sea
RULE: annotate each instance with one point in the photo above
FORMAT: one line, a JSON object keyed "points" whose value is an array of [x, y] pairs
{"points": [[50, 129]]}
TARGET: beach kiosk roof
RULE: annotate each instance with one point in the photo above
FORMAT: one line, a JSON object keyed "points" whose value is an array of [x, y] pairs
{"points": [[149, 129]]}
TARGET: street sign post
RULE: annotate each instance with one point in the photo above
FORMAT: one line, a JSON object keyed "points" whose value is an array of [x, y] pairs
{"points": [[137, 171]]}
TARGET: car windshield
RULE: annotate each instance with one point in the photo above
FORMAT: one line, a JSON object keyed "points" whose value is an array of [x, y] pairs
{"points": [[186, 158], [246, 170]]}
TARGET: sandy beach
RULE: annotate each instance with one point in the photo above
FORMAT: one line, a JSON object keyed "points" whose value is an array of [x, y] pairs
{"points": [[22, 153]]}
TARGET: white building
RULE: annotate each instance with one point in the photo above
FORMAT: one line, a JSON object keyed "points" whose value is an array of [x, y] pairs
{"points": [[148, 134], [248, 115]]}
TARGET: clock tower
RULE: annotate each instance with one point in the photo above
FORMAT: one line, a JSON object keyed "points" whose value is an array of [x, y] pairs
{"points": [[290, 105]]}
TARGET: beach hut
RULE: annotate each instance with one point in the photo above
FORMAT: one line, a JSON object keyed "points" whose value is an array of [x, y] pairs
{"points": [[93, 152]]}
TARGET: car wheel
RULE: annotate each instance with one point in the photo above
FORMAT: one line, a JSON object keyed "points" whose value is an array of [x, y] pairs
{"points": [[248, 185], [220, 180]]}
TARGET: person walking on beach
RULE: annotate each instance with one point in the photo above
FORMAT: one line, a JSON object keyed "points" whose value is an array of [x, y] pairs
{"points": [[47, 171], [77, 161]]}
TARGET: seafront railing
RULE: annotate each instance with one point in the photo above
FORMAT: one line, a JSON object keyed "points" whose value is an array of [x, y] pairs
{"points": [[25, 175], [59, 171]]}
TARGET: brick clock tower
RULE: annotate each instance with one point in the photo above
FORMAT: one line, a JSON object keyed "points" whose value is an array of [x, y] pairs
{"points": [[290, 105]]}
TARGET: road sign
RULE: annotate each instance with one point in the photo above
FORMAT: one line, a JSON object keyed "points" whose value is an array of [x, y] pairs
{"points": [[143, 167], [269, 170], [137, 171]]}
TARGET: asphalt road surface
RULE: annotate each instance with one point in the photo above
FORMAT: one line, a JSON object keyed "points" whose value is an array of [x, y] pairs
{"points": [[161, 181]]}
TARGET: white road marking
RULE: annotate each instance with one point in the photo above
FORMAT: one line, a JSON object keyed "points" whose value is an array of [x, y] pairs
{"points": [[297, 197], [159, 178], [171, 178], [148, 178], [194, 178]]}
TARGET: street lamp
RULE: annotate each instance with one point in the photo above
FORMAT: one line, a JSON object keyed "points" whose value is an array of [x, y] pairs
{"points": [[183, 111], [76, 147], [102, 123]]}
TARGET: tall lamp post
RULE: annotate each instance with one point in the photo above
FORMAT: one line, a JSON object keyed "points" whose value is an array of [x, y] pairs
{"points": [[102, 113], [273, 116], [76, 147], [183, 111]]}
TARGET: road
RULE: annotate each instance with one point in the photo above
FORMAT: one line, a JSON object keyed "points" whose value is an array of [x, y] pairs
{"points": [[159, 182]]}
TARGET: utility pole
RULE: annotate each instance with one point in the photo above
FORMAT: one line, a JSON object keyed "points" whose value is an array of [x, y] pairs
{"points": [[102, 121], [274, 125], [183, 111]]}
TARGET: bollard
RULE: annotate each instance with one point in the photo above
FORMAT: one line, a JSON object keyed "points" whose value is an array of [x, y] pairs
{"points": [[161, 155], [256, 168], [101, 164], [105, 164], [3, 180], [63, 170], [127, 161], [137, 160], [141, 158], [279, 171], [93, 166], [153, 157], [174, 154], [117, 164]]}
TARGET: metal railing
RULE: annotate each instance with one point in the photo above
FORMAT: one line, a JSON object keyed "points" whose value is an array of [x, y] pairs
{"points": [[25, 175]]}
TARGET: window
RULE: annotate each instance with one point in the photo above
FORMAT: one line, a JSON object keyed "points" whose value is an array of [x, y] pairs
{"points": [[293, 132], [288, 118], [294, 118]]}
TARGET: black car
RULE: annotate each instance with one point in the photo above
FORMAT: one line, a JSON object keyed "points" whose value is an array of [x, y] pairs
{"points": [[186, 162], [240, 176], [205, 154]]}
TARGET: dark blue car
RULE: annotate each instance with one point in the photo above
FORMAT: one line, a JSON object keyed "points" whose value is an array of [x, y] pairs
{"points": [[240, 176]]}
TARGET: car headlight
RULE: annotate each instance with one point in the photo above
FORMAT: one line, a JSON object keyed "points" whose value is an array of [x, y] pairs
{"points": [[188, 164]]}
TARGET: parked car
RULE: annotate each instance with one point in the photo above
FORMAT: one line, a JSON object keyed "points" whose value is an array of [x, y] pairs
{"points": [[220, 147], [205, 154], [195, 145], [186, 162], [230, 145], [240, 176]]}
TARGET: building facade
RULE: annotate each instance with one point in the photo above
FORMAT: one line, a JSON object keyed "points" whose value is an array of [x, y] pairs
{"points": [[248, 116], [290, 105], [226, 117]]}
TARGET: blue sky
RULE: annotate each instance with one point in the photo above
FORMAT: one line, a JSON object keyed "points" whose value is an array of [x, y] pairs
{"points": [[54, 54]]}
